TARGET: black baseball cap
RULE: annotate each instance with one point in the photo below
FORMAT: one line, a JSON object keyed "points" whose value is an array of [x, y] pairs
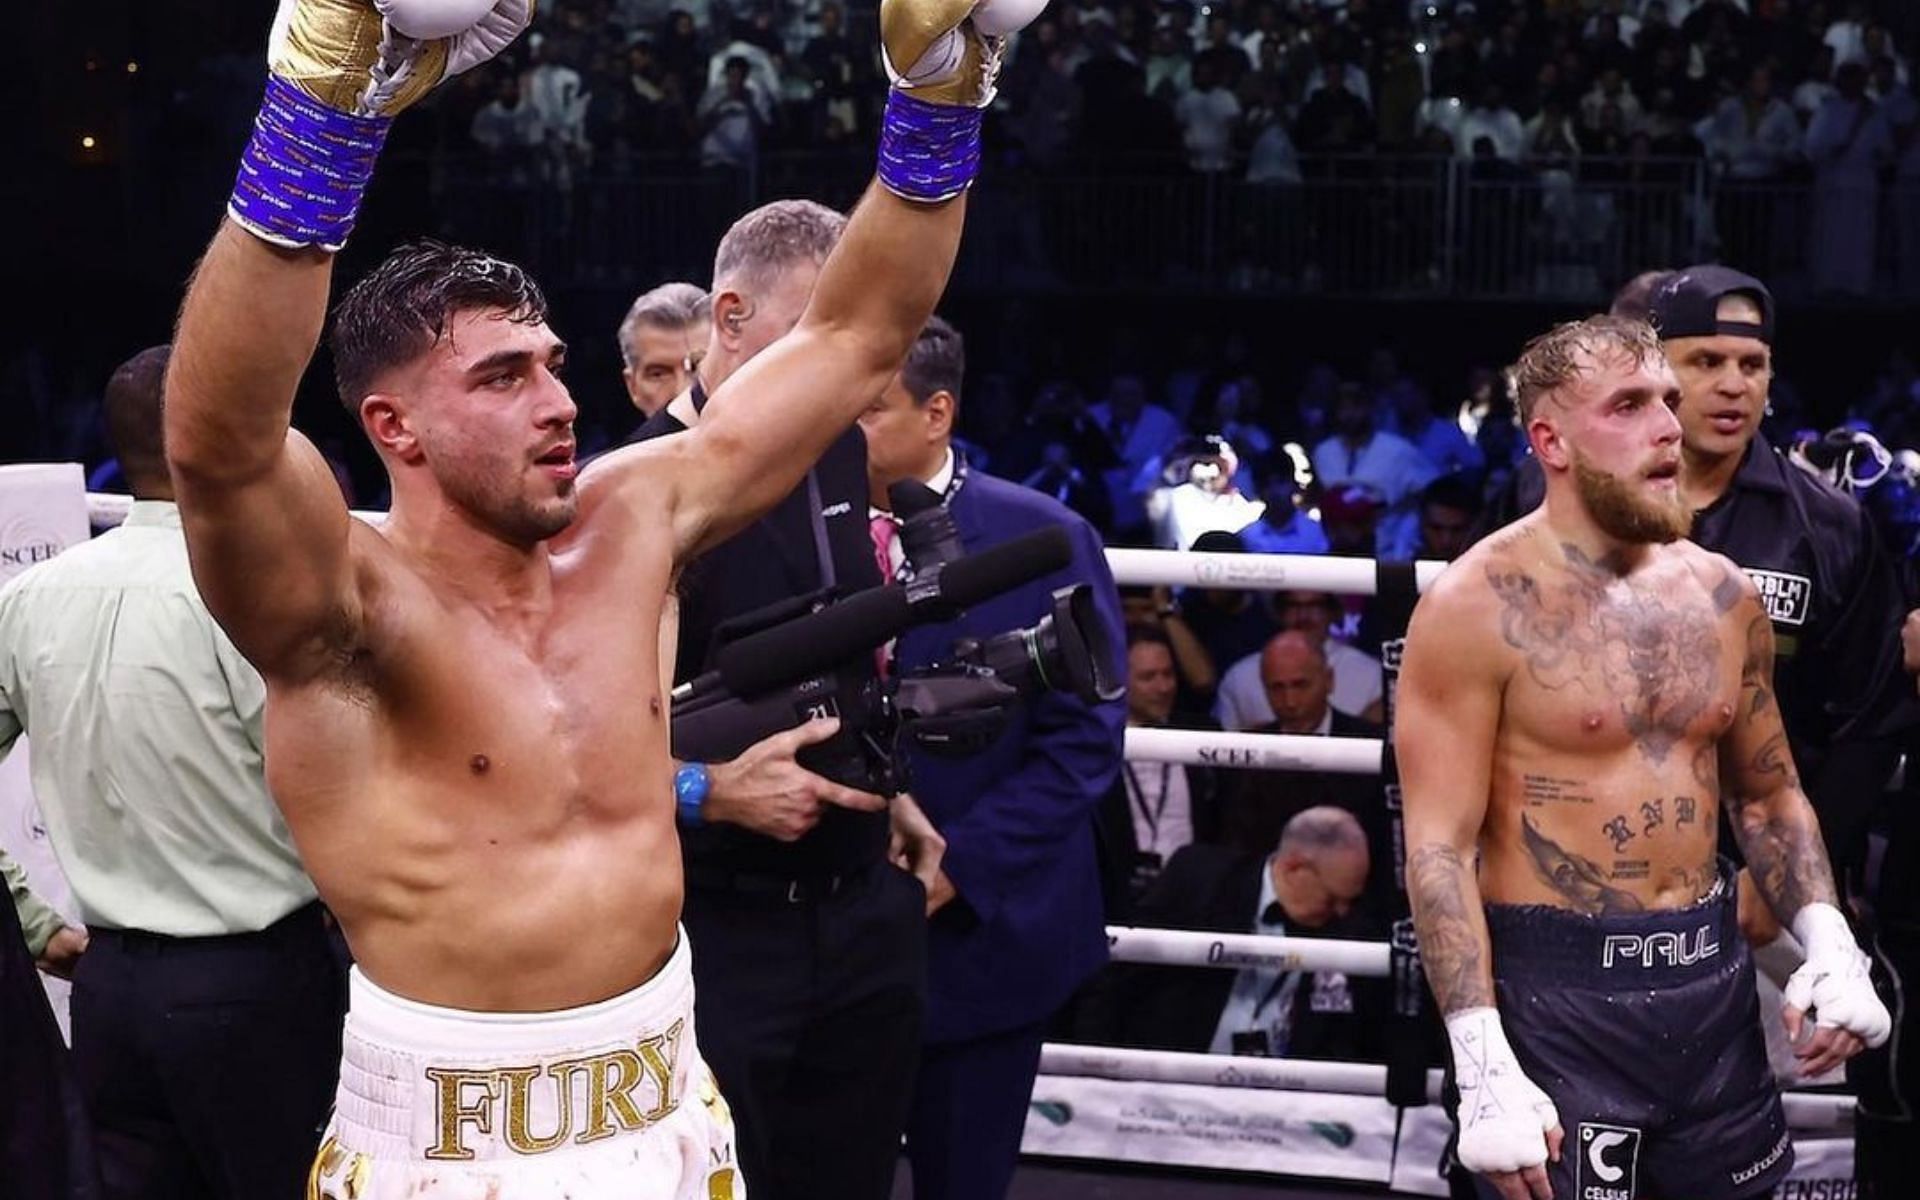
{"points": [[1686, 304]]}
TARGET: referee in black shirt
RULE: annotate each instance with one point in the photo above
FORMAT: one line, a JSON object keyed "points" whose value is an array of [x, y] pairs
{"points": [[1831, 589], [809, 946]]}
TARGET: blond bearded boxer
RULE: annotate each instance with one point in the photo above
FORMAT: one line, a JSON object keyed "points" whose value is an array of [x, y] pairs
{"points": [[1579, 693], [465, 723]]}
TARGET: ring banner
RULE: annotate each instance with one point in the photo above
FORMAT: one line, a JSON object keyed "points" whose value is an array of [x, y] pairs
{"points": [[1234, 1129]]}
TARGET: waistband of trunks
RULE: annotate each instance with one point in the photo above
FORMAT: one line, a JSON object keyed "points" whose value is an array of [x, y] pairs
{"points": [[421, 1082], [1611, 951]]}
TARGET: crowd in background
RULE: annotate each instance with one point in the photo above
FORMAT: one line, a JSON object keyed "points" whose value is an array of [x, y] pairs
{"points": [[1765, 89]]}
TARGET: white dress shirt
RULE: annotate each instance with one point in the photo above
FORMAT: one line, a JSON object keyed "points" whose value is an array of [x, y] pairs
{"points": [[146, 738]]}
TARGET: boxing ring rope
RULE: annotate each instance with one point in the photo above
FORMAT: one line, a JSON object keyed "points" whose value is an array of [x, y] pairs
{"points": [[1256, 572], [1222, 1070], [1185, 948], [1805, 1111]]}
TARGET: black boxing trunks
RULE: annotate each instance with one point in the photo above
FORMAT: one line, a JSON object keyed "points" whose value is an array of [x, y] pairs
{"points": [[1644, 1028]]}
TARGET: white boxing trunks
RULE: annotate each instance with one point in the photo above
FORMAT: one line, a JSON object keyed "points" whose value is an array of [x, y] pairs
{"points": [[610, 1100]]}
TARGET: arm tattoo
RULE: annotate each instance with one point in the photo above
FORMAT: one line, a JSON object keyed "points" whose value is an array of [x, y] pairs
{"points": [[1454, 952], [1772, 821], [1579, 881], [1787, 857]]}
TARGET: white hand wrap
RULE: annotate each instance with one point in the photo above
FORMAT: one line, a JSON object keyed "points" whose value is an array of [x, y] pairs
{"points": [[1834, 984], [1504, 1118]]}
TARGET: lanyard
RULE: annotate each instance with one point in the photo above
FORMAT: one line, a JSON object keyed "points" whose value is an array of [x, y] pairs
{"points": [[1139, 795], [1280, 981]]}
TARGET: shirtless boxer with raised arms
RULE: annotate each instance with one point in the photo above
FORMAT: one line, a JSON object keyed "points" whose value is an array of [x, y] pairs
{"points": [[466, 724], [1579, 694]]}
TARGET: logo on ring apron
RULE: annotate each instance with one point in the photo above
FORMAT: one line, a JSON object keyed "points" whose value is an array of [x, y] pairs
{"points": [[1609, 1162]]}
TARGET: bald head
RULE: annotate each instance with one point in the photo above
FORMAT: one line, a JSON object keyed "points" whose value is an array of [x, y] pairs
{"points": [[1320, 867], [1298, 681], [133, 407]]}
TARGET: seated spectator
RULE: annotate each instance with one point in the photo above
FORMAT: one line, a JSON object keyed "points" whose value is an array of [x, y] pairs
{"points": [[1257, 803], [1169, 66], [506, 125], [1490, 117], [1442, 443], [1351, 514], [1306, 886], [1549, 138], [1356, 689], [1449, 512], [1334, 120], [1198, 493], [1333, 66], [1230, 622], [553, 90], [735, 115], [1391, 466], [1754, 135], [1138, 432], [1153, 809], [1610, 88], [1193, 668], [1818, 85], [1285, 527], [1209, 117]]}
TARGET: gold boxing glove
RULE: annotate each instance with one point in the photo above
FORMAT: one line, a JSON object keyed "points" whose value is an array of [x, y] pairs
{"points": [[338, 72]]}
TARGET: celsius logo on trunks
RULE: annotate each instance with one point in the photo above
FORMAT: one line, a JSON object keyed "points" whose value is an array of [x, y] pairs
{"points": [[1787, 597], [1609, 1163], [1662, 948]]}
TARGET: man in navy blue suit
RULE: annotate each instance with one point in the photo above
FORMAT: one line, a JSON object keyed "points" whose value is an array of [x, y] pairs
{"points": [[1015, 911]]}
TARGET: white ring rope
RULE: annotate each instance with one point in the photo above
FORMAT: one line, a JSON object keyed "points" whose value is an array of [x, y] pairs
{"points": [[1804, 1110], [1257, 572], [1221, 1070], [1177, 568], [1187, 948], [1260, 751]]}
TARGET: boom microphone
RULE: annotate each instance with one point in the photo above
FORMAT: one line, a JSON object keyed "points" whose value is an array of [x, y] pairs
{"points": [[828, 638]]}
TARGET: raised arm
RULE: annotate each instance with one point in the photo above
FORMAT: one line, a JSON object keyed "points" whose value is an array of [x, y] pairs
{"points": [[265, 523], [775, 417], [1775, 826], [1444, 735]]}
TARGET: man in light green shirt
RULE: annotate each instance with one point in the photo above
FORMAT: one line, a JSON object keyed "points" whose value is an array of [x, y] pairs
{"points": [[207, 1008], [54, 944]]}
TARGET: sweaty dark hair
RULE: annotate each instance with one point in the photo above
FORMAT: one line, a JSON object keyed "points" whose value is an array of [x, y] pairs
{"points": [[406, 304], [133, 408], [935, 364]]}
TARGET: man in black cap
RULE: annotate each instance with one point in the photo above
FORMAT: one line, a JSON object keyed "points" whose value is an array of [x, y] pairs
{"points": [[1829, 587]]}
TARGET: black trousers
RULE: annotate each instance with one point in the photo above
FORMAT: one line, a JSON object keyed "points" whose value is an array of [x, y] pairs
{"points": [[209, 1064], [810, 1008], [1886, 1131], [46, 1152]]}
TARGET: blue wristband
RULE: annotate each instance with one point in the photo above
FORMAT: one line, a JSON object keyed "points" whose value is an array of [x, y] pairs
{"points": [[305, 169], [928, 152], [690, 786]]}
